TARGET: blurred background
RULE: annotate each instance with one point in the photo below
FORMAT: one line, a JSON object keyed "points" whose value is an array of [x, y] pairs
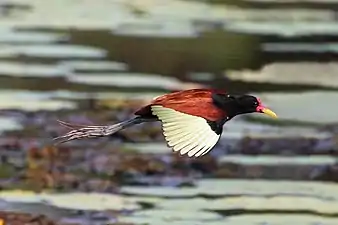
{"points": [[97, 61]]}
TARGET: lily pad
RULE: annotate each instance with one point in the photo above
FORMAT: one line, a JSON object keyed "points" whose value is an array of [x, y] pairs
{"points": [[152, 148], [257, 187], [20, 196], [178, 215], [242, 187], [303, 102], [280, 219], [89, 201], [182, 204], [254, 202], [281, 203], [73, 201], [25, 37], [31, 70], [151, 28], [126, 80], [298, 28], [279, 160], [144, 199], [158, 221], [159, 191], [32, 101], [36, 105], [7, 124], [239, 128], [300, 73], [55, 51], [88, 65]]}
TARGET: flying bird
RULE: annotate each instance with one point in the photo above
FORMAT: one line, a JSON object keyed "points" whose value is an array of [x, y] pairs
{"points": [[192, 120]]}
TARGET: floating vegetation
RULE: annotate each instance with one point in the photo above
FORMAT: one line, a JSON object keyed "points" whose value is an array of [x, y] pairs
{"points": [[300, 73], [289, 29], [266, 188], [30, 37], [15, 69], [30, 101], [303, 102], [150, 148], [91, 65], [89, 201], [55, 51], [252, 203], [74, 201], [177, 215], [7, 124], [274, 203], [239, 187], [279, 160], [127, 80], [159, 191], [280, 219]]}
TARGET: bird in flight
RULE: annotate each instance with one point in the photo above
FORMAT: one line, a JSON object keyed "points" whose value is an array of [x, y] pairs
{"points": [[192, 120]]}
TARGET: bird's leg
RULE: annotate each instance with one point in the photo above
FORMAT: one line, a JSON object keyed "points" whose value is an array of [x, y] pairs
{"points": [[83, 131]]}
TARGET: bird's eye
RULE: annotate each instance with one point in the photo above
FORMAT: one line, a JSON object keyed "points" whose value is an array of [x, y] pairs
{"points": [[230, 97]]}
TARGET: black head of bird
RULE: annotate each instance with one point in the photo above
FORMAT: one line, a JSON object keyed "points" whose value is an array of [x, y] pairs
{"points": [[235, 105]]}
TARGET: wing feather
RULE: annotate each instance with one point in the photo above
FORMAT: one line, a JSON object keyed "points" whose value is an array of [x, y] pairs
{"points": [[202, 145], [184, 133]]}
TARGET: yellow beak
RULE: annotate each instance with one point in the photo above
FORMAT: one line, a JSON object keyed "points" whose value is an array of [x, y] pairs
{"points": [[269, 112]]}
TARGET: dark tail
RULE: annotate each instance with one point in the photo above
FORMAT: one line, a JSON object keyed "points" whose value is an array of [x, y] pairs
{"points": [[82, 131]]}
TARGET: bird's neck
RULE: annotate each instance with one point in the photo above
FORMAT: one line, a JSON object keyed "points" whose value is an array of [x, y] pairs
{"points": [[228, 105], [232, 109]]}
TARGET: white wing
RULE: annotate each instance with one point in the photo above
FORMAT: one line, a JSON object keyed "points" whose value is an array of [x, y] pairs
{"points": [[185, 133]]}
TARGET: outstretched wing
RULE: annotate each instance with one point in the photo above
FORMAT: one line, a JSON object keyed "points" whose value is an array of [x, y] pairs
{"points": [[186, 133]]}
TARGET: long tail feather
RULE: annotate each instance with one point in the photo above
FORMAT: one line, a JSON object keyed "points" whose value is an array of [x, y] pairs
{"points": [[83, 131], [71, 125]]}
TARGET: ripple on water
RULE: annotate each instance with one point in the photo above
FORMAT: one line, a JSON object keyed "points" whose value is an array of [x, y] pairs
{"points": [[25, 37], [160, 191], [260, 203], [299, 103], [239, 128], [267, 187], [8, 124], [159, 221], [97, 65], [171, 215], [279, 160], [54, 51], [304, 73], [126, 80], [72, 201], [17, 69], [151, 27], [280, 219], [32, 101], [284, 29], [266, 219], [20, 196], [278, 203], [151, 148], [231, 187], [89, 201]]}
